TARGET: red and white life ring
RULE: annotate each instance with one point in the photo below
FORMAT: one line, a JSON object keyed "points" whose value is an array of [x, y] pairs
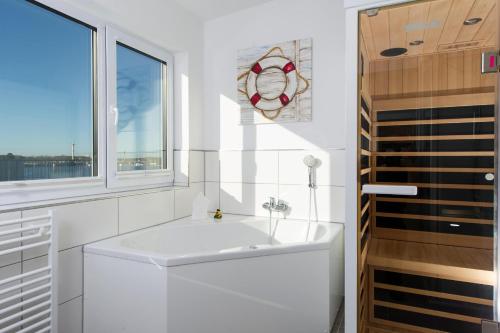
{"points": [[288, 68]]}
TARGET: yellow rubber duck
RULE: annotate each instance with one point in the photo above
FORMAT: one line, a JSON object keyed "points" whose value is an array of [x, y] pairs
{"points": [[218, 214]]}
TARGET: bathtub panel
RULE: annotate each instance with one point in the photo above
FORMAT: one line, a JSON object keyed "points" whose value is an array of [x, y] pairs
{"points": [[123, 296], [272, 294]]}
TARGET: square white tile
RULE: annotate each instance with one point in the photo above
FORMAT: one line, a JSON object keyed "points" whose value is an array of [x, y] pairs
{"points": [[181, 167], [212, 166], [246, 199], [196, 166], [249, 166], [80, 223], [70, 278], [145, 210], [212, 193], [184, 199], [329, 171], [327, 202], [70, 319]]}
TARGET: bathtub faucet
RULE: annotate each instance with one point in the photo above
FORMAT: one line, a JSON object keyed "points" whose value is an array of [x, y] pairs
{"points": [[281, 206]]}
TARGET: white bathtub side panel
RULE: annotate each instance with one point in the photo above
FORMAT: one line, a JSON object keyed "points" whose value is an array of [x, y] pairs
{"points": [[336, 275], [286, 293], [123, 296]]}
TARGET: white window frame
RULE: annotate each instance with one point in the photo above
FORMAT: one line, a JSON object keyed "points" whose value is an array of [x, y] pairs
{"points": [[13, 192], [160, 177], [23, 193]]}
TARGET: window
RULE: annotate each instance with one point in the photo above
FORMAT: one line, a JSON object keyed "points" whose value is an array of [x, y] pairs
{"points": [[139, 95], [84, 108], [47, 95]]}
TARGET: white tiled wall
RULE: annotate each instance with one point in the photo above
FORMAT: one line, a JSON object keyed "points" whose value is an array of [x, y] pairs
{"points": [[86, 222], [239, 182]]}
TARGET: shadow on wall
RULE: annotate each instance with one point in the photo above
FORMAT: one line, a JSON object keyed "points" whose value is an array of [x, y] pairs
{"points": [[248, 178]]}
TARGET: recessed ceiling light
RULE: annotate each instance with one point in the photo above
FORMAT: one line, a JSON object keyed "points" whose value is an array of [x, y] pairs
{"points": [[393, 52], [472, 21], [416, 42], [372, 12]]}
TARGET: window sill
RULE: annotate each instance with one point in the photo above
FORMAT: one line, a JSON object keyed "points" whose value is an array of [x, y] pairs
{"points": [[31, 197]]}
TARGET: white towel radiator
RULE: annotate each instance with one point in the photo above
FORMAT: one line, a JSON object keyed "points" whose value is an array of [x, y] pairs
{"points": [[28, 301]]}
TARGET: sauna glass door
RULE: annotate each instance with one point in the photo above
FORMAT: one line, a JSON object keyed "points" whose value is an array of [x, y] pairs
{"points": [[427, 121]]}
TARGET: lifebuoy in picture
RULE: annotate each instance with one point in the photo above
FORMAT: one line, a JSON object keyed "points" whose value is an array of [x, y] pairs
{"points": [[291, 85]]}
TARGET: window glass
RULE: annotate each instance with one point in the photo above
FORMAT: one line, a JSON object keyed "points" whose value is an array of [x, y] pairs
{"points": [[140, 143], [46, 94]]}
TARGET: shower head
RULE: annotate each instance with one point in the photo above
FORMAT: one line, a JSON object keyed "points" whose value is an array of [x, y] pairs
{"points": [[310, 161]]}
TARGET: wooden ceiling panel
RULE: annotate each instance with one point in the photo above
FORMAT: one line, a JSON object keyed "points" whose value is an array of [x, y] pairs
{"points": [[380, 29], [456, 17], [482, 9], [438, 12], [488, 29], [418, 13], [368, 37], [438, 23], [398, 18]]}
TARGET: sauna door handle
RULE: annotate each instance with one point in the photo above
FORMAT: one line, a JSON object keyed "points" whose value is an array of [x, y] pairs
{"points": [[389, 189]]}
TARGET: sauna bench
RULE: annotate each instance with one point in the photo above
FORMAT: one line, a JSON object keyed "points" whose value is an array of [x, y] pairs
{"points": [[429, 287]]}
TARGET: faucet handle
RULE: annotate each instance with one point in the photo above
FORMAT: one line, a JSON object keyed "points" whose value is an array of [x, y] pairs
{"points": [[272, 201], [282, 206]]}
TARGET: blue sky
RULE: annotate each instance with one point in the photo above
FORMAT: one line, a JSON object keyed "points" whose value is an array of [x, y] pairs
{"points": [[45, 82]]}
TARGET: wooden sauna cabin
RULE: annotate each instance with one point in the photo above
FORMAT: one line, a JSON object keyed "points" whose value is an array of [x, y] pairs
{"points": [[427, 118]]}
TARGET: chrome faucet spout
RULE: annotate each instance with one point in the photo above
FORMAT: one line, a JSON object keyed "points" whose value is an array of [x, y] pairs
{"points": [[281, 206]]}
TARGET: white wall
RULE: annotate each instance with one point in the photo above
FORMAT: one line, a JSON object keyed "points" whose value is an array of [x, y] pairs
{"points": [[277, 21], [258, 161]]}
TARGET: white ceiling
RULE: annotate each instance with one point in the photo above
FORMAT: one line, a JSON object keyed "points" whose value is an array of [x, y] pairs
{"points": [[210, 9]]}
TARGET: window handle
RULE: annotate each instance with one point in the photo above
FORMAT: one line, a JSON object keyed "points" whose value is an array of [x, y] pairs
{"points": [[113, 110]]}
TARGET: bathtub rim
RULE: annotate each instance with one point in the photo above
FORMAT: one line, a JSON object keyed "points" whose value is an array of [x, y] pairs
{"points": [[111, 247]]}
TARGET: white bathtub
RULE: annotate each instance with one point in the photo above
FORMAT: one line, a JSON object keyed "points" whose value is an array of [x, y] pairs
{"points": [[205, 277]]}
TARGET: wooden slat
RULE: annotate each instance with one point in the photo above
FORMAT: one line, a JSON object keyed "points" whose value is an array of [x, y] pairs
{"points": [[366, 152], [365, 208], [435, 137], [445, 262], [436, 153], [394, 104], [435, 238], [435, 121], [455, 70], [429, 312], [365, 134], [410, 75], [365, 171], [434, 218], [442, 185], [430, 293], [404, 328], [381, 72], [437, 202], [366, 116], [436, 169], [395, 76], [425, 78]]}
